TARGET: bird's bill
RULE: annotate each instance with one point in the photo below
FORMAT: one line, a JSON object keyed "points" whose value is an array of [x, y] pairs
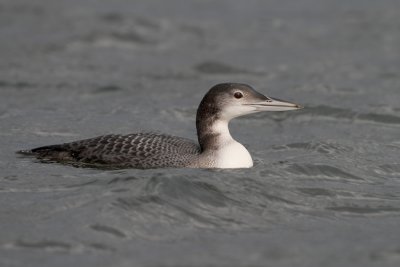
{"points": [[274, 104]]}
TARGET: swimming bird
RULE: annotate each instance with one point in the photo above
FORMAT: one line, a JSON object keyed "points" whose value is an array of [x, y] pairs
{"points": [[215, 149]]}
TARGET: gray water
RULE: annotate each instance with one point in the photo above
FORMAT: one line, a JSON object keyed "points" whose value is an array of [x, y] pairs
{"points": [[324, 190]]}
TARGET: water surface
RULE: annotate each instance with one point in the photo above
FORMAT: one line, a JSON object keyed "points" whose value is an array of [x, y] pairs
{"points": [[324, 190]]}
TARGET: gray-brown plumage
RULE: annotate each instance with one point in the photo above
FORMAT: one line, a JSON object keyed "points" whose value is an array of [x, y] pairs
{"points": [[141, 150], [216, 148]]}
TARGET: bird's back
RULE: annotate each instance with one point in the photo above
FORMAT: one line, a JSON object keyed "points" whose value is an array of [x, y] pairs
{"points": [[140, 150]]}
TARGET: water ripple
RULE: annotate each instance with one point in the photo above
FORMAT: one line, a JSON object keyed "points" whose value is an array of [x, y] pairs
{"points": [[107, 230], [321, 170], [317, 192], [214, 67], [327, 147], [341, 113], [363, 209], [43, 244], [16, 85], [328, 112], [131, 203], [389, 169], [192, 191]]}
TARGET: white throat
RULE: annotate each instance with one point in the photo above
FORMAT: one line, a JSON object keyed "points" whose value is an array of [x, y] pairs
{"points": [[230, 154]]}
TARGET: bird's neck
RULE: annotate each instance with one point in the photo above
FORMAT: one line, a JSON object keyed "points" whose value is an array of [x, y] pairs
{"points": [[219, 149], [213, 133]]}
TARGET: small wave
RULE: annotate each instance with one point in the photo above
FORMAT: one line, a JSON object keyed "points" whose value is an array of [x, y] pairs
{"points": [[321, 170], [107, 230], [173, 75], [328, 111], [108, 89], [181, 113], [112, 17], [43, 244], [92, 182], [316, 192], [388, 255], [56, 246], [16, 85], [321, 147], [277, 199], [214, 67], [380, 118], [131, 37], [389, 169], [117, 30], [161, 198], [126, 39], [122, 179], [120, 40], [198, 192], [131, 203], [99, 246], [340, 113], [62, 134], [363, 209]]}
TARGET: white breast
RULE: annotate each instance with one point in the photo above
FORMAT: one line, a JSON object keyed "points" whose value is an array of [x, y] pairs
{"points": [[233, 155], [230, 153]]}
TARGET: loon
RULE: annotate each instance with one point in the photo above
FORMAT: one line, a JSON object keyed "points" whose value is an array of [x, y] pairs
{"points": [[215, 149]]}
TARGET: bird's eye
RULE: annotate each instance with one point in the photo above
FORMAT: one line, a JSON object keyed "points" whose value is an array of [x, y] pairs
{"points": [[238, 95]]}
